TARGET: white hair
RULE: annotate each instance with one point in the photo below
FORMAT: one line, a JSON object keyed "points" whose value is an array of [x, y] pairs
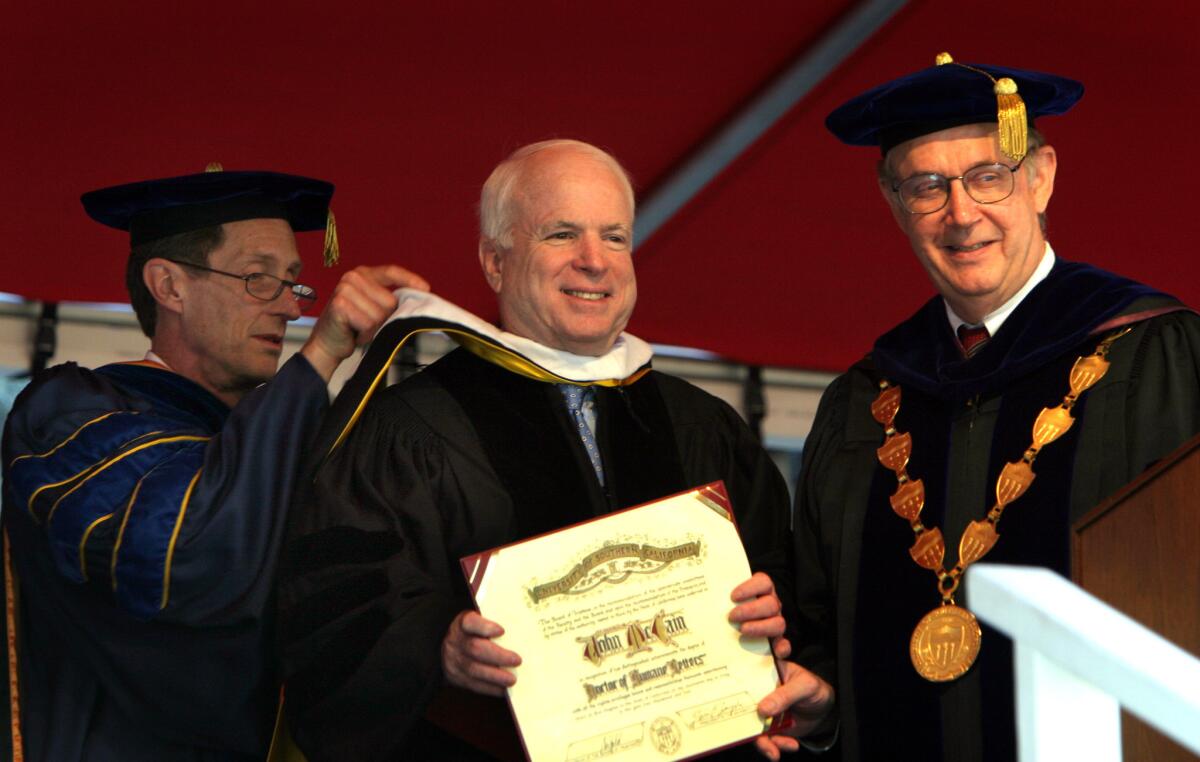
{"points": [[495, 202]]}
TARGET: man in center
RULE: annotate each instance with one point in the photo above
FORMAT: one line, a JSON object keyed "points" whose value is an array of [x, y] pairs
{"points": [[383, 654]]}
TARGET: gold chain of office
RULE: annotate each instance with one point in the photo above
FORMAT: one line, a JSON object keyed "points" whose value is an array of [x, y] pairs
{"points": [[946, 641]]}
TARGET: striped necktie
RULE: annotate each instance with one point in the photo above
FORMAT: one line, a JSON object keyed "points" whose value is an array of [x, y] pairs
{"points": [[972, 339], [576, 397]]}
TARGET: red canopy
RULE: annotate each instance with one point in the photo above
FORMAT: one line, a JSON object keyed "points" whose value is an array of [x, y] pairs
{"points": [[788, 258]]}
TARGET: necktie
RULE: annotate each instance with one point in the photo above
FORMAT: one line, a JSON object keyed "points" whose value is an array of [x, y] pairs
{"points": [[972, 339], [576, 397]]}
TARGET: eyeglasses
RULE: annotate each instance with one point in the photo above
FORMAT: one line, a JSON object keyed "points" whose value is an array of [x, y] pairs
{"points": [[263, 286], [986, 184]]}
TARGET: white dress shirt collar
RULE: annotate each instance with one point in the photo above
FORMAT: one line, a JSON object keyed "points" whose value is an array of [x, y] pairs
{"points": [[994, 319], [152, 357]]}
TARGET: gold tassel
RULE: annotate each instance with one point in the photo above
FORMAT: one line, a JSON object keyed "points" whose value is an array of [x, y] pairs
{"points": [[214, 166], [332, 251], [1010, 113]]}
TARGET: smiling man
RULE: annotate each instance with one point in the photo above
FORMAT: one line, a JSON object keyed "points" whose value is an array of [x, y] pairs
{"points": [[145, 500], [553, 419], [978, 254], [560, 255], [968, 180]]}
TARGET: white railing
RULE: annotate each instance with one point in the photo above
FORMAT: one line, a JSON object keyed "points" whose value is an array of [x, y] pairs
{"points": [[1078, 662]]}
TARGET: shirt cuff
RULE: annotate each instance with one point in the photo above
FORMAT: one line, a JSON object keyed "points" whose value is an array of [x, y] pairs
{"points": [[824, 743]]}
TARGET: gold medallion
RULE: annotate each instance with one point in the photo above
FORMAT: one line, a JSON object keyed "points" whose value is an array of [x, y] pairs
{"points": [[945, 643]]}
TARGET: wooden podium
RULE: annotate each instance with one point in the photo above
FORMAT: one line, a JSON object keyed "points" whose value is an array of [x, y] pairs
{"points": [[1139, 551]]}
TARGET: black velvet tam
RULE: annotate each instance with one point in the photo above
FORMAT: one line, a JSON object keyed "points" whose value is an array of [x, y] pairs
{"points": [[153, 209], [942, 97]]}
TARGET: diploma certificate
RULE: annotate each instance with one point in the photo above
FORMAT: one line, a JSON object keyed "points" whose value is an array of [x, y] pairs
{"points": [[622, 627]]}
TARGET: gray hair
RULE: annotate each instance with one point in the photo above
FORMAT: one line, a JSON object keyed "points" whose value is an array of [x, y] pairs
{"points": [[496, 201]]}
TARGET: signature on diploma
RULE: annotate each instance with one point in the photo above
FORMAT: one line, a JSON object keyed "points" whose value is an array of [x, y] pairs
{"points": [[718, 711], [611, 744], [606, 744]]}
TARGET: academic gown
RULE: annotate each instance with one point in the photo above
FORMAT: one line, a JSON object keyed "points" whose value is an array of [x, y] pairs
{"points": [[145, 519], [460, 458], [860, 594]]}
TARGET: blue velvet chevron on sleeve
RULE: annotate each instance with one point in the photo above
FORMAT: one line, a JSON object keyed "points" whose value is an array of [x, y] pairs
{"points": [[139, 478], [87, 491], [111, 496], [145, 519]]}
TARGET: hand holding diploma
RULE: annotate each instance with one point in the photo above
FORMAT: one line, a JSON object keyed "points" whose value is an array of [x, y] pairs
{"points": [[808, 698], [631, 646], [472, 660], [759, 612]]}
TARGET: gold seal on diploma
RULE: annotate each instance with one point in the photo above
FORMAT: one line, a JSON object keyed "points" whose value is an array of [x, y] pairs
{"points": [[945, 643], [665, 735]]}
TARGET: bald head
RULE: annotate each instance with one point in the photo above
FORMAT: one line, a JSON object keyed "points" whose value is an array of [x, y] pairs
{"points": [[557, 246], [496, 208]]}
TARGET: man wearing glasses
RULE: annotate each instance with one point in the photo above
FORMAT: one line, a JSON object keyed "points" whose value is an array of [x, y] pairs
{"points": [[144, 501], [932, 437]]}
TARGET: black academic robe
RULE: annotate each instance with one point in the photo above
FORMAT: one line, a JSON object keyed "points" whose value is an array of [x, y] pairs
{"points": [[145, 520], [860, 594], [460, 458]]}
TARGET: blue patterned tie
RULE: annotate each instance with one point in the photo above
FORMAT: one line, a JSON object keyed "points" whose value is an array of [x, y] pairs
{"points": [[576, 396]]}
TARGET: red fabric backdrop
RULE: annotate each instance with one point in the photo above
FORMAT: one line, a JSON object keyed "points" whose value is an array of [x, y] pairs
{"points": [[789, 258]]}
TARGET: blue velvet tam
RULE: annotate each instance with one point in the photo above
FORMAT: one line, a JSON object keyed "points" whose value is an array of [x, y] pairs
{"points": [[941, 97], [153, 209]]}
